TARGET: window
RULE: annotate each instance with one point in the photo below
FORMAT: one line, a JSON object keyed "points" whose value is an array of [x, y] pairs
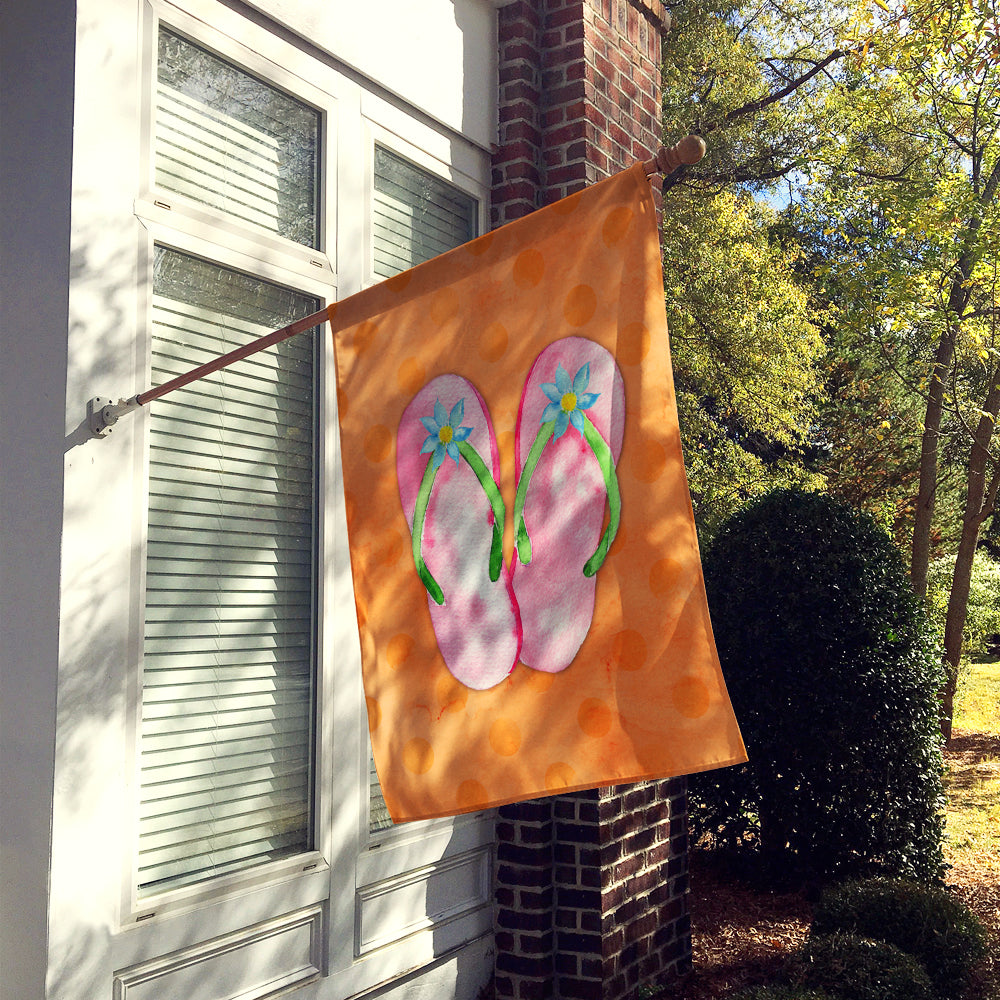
{"points": [[227, 140], [416, 216], [229, 646], [228, 685], [273, 184]]}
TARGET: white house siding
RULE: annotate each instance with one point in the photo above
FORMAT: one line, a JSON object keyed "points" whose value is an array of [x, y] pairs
{"points": [[406, 915]]}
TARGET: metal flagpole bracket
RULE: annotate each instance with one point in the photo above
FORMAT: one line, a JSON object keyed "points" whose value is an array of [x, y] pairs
{"points": [[103, 413]]}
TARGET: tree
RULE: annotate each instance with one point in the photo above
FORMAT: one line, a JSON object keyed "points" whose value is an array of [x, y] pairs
{"points": [[913, 187], [747, 353]]}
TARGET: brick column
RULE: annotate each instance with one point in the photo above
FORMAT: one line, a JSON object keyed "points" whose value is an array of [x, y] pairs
{"points": [[591, 888]]}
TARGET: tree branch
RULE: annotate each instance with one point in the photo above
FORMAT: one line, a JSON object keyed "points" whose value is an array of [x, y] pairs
{"points": [[754, 106]]}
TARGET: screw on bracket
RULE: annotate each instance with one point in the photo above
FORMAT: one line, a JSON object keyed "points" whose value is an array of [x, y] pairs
{"points": [[103, 413]]}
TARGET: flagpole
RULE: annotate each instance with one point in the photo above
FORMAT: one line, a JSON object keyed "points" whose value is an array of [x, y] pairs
{"points": [[103, 413]]}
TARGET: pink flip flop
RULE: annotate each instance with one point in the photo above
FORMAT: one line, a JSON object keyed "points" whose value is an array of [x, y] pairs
{"points": [[569, 437], [447, 465]]}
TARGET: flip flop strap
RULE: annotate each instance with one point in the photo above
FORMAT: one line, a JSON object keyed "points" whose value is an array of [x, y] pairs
{"points": [[606, 463], [521, 536], [492, 492]]}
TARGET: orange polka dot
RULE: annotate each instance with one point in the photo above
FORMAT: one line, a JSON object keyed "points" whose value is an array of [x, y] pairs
{"points": [[505, 737], [594, 717], [493, 343], [418, 756], [374, 714], [471, 794], [389, 547], [478, 247], [629, 649], [529, 268], [558, 776], [538, 680], [399, 649], [451, 695], [616, 225], [411, 375], [633, 343], [378, 443], [690, 696], [580, 304], [664, 576], [444, 306], [649, 459], [399, 281], [364, 334], [619, 543], [566, 205]]}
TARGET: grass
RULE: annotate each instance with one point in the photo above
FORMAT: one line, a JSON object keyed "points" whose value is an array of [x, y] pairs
{"points": [[977, 702], [973, 810], [973, 784], [743, 934]]}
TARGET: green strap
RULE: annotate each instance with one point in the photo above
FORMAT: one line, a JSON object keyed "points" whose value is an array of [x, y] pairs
{"points": [[417, 534], [520, 531], [492, 492], [606, 462]]}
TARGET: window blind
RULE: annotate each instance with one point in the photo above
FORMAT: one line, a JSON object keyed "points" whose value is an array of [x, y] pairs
{"points": [[228, 140], [415, 216], [228, 654]]}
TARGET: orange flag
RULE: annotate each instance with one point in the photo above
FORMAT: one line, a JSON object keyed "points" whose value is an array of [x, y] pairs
{"points": [[528, 586]]}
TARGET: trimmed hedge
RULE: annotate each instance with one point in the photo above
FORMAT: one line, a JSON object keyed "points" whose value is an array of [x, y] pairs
{"points": [[925, 922], [833, 672], [857, 968]]}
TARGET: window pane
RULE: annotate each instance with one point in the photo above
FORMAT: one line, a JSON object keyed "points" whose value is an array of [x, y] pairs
{"points": [[416, 216], [228, 655], [228, 140]]}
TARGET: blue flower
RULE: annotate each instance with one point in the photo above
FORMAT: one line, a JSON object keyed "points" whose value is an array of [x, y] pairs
{"points": [[568, 400], [444, 432]]}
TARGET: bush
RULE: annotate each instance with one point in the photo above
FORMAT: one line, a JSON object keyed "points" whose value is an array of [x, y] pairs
{"points": [[833, 673], [856, 968], [982, 620], [925, 922]]}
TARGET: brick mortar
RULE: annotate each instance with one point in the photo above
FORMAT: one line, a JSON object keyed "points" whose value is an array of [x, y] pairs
{"points": [[590, 888]]}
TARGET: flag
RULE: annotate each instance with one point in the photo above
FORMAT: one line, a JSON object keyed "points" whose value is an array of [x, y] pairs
{"points": [[528, 587]]}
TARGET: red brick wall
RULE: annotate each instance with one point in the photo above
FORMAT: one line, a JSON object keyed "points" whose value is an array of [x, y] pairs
{"points": [[591, 888], [579, 96]]}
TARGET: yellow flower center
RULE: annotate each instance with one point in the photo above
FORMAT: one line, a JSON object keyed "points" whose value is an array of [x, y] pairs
{"points": [[568, 402], [446, 434]]}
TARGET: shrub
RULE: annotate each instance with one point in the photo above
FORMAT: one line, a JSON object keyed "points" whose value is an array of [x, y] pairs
{"points": [[982, 620], [856, 968], [833, 673], [926, 922]]}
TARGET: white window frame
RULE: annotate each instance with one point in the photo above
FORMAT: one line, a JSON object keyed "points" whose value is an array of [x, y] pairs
{"points": [[179, 224], [350, 870]]}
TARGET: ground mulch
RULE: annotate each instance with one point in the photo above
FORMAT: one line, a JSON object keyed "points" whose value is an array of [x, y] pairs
{"points": [[742, 933]]}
